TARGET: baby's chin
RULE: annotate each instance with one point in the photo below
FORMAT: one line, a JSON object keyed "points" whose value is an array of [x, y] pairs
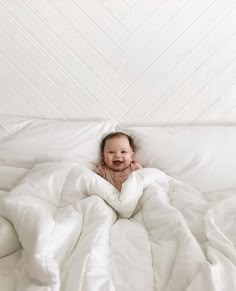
{"points": [[119, 167]]}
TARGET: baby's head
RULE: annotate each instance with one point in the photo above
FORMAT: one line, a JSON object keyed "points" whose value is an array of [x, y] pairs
{"points": [[117, 151]]}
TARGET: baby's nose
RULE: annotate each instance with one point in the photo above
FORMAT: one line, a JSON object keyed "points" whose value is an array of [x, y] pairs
{"points": [[117, 155]]}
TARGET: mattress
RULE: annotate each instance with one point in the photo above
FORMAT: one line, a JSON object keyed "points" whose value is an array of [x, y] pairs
{"points": [[63, 227]]}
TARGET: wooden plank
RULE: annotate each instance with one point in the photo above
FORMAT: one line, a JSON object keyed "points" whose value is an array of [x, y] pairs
{"points": [[220, 107], [117, 8], [15, 102], [211, 91], [5, 109], [54, 70], [25, 89], [177, 31], [195, 81], [152, 26], [80, 47], [58, 50], [139, 13], [104, 19], [39, 79], [131, 2], [88, 30], [187, 78], [175, 53], [230, 115]]}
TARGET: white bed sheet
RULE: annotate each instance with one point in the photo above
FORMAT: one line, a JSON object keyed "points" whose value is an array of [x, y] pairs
{"points": [[172, 236]]}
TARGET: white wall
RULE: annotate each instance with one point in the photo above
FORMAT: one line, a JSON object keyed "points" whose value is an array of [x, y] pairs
{"points": [[134, 61]]}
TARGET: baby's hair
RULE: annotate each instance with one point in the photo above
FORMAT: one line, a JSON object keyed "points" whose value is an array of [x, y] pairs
{"points": [[117, 134]]}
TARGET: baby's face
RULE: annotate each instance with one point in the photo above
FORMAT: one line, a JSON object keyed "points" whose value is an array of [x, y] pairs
{"points": [[117, 153]]}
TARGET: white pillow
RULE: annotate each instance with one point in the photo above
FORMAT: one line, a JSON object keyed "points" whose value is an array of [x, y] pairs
{"points": [[25, 141], [202, 156]]}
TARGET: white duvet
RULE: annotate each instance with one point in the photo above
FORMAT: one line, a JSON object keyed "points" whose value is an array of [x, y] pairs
{"points": [[63, 227]]}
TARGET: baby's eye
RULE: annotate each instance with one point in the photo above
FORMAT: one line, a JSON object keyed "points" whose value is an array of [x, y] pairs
{"points": [[111, 152], [123, 152]]}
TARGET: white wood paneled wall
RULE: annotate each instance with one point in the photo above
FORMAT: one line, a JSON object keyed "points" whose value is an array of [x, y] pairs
{"points": [[133, 61]]}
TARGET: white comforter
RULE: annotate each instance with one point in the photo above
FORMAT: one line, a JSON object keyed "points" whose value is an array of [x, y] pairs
{"points": [[74, 232]]}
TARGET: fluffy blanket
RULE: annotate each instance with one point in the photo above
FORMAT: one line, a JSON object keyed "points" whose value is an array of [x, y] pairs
{"points": [[65, 228]]}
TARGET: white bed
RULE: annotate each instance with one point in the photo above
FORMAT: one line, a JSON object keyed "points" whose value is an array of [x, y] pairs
{"points": [[62, 227]]}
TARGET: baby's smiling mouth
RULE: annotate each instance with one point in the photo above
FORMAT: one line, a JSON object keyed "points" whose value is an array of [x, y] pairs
{"points": [[117, 163]]}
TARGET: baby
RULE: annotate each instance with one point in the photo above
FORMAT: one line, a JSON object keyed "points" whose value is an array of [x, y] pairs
{"points": [[118, 159]]}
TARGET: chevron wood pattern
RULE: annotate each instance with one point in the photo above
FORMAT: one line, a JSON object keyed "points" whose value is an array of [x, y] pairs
{"points": [[132, 61]]}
